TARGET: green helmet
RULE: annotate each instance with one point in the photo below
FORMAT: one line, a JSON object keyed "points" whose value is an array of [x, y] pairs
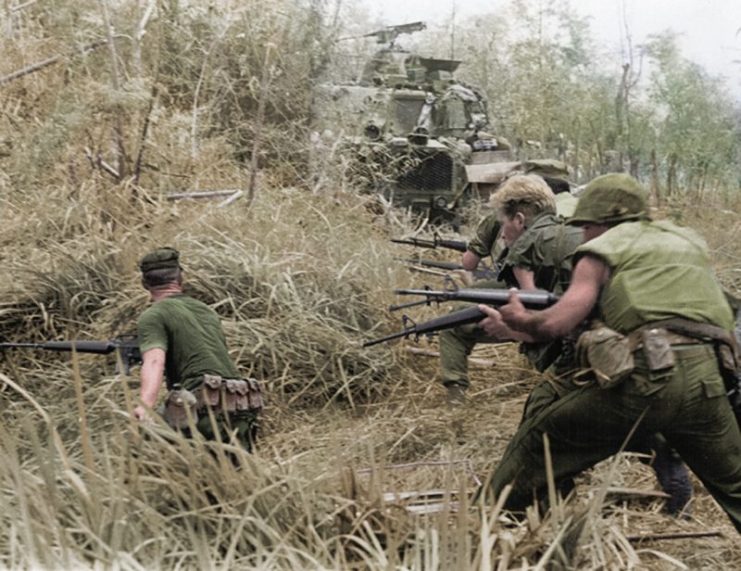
{"points": [[611, 198]]}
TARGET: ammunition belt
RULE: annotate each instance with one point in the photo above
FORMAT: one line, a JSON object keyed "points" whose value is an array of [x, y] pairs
{"points": [[229, 395]]}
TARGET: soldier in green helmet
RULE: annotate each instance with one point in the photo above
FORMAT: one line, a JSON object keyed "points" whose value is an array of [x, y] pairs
{"points": [[657, 361], [181, 339]]}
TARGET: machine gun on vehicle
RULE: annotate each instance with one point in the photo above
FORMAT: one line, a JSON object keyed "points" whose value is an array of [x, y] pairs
{"points": [[534, 299], [388, 34], [126, 347]]}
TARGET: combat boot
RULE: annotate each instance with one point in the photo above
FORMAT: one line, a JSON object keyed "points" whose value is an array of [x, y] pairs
{"points": [[456, 395], [674, 479]]}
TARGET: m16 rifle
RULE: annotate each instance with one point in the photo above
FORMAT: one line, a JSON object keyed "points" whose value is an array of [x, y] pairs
{"points": [[436, 242], [126, 347], [534, 299]]}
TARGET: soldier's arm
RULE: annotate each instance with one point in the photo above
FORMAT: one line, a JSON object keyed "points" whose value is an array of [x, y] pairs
{"points": [[482, 243], [470, 260], [152, 375], [590, 274], [525, 278]]}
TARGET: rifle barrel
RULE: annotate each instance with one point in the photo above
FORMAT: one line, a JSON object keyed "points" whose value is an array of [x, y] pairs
{"points": [[96, 347], [448, 321], [434, 264], [419, 242], [396, 335], [532, 299], [411, 304]]}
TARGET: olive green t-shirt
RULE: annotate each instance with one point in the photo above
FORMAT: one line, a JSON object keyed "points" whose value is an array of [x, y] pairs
{"points": [[190, 333]]}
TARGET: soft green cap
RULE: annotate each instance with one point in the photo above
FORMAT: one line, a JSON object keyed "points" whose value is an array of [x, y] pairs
{"points": [[160, 259], [613, 197]]}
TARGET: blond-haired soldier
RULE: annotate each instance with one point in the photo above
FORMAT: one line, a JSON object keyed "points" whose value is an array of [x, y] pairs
{"points": [[538, 245]]}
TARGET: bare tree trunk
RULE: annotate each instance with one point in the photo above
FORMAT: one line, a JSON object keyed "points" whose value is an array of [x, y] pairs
{"points": [[655, 185], [267, 74], [115, 74], [671, 175], [143, 136], [635, 164], [621, 110], [139, 36]]}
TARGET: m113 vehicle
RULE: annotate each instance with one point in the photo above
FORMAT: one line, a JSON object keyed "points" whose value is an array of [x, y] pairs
{"points": [[414, 134]]}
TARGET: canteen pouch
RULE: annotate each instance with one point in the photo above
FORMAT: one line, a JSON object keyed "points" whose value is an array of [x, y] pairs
{"points": [[657, 349], [179, 405], [607, 354]]}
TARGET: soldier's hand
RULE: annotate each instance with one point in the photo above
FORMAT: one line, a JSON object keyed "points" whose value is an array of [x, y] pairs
{"points": [[493, 324], [142, 414], [514, 313]]}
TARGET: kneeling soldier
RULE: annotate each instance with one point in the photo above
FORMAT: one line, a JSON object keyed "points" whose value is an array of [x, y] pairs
{"points": [[181, 338]]}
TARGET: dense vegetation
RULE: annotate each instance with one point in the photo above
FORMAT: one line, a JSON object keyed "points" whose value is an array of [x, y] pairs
{"points": [[108, 106]]}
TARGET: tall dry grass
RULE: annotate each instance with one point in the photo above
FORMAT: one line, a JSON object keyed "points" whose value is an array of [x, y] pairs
{"points": [[299, 277]]}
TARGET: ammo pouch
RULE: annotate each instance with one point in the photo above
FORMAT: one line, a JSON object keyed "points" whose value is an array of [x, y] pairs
{"points": [[180, 406], [606, 354], [229, 395], [725, 343]]}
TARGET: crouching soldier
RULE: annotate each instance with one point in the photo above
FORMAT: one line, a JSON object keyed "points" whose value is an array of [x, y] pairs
{"points": [[181, 338]]}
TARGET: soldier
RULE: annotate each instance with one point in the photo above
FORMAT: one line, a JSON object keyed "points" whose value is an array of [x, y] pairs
{"points": [[538, 257], [657, 360], [182, 338]]}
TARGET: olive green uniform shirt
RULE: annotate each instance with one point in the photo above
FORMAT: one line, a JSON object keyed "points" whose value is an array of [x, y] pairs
{"points": [[190, 333], [544, 248], [485, 242]]}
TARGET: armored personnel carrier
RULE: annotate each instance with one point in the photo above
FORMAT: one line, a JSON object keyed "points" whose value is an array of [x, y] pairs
{"points": [[415, 134]]}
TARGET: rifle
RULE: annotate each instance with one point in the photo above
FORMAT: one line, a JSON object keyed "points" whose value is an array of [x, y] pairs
{"points": [[436, 242], [126, 346], [483, 273], [532, 299], [535, 299]]}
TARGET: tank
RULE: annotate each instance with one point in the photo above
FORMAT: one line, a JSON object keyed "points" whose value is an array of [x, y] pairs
{"points": [[411, 131]]}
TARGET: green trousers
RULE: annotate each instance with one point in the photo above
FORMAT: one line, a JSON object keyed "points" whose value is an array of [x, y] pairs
{"points": [[241, 425], [456, 344], [687, 405]]}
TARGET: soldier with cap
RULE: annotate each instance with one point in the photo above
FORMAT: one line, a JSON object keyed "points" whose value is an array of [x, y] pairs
{"points": [[181, 338], [656, 363]]}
